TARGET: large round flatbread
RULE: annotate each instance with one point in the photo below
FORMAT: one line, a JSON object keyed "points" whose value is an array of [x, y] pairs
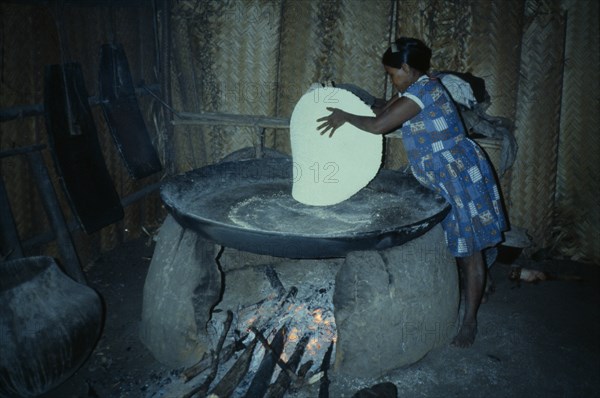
{"points": [[330, 170]]}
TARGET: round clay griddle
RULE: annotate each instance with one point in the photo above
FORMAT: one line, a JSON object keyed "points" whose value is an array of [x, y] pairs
{"points": [[247, 205]]}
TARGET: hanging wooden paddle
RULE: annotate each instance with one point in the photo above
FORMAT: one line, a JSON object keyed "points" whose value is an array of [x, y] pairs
{"points": [[123, 115], [73, 139]]}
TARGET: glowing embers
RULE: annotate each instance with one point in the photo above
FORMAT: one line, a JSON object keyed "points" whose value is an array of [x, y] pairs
{"points": [[282, 342], [312, 320], [307, 320]]}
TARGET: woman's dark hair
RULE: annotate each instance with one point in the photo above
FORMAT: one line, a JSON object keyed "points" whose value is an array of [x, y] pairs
{"points": [[406, 50]]}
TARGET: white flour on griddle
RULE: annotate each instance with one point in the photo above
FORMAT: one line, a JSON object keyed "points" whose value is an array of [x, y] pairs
{"points": [[279, 212]]}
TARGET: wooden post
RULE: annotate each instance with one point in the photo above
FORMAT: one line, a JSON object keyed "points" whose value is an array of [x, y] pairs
{"points": [[10, 245], [70, 261]]}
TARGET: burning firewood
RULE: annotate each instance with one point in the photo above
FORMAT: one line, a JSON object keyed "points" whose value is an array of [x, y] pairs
{"points": [[302, 328], [203, 388], [283, 382], [226, 354], [282, 364], [274, 281], [267, 309], [214, 359], [302, 372], [232, 378], [260, 382], [324, 388]]}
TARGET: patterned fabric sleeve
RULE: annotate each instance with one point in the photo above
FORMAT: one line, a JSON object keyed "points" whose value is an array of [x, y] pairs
{"points": [[419, 94]]}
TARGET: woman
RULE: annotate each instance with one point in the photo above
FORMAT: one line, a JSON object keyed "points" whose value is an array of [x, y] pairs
{"points": [[443, 159]]}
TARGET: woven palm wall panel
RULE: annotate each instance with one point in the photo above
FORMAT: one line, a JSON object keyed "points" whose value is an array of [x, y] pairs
{"points": [[192, 84], [576, 232], [225, 59], [444, 26], [493, 53], [259, 57], [537, 122], [481, 37], [332, 41]]}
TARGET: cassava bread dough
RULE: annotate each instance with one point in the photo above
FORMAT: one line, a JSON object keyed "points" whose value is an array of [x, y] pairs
{"points": [[330, 170]]}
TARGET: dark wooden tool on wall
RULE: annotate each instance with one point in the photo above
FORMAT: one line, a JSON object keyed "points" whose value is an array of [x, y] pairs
{"points": [[122, 113], [73, 138], [76, 150]]}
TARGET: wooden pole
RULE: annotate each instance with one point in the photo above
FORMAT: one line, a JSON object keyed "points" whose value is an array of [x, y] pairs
{"points": [[24, 111], [10, 245], [70, 261], [209, 118]]}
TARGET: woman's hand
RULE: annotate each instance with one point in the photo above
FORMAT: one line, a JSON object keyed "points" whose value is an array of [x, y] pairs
{"points": [[332, 122], [397, 111]]}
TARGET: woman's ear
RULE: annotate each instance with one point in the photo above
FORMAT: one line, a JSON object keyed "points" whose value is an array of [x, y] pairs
{"points": [[405, 68]]}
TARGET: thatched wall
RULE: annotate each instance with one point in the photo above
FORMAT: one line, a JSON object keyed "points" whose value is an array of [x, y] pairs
{"points": [[30, 41], [539, 59], [576, 231], [258, 57]]}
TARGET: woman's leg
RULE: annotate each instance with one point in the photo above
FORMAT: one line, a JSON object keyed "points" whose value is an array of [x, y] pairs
{"points": [[473, 272]]}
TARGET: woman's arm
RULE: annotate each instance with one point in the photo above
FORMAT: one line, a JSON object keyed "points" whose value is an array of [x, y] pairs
{"points": [[381, 105], [390, 118]]}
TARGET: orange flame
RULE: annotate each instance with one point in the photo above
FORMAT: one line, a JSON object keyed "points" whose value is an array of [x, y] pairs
{"points": [[313, 346], [294, 334]]}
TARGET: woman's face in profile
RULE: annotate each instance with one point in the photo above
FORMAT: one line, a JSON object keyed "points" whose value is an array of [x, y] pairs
{"points": [[400, 78]]}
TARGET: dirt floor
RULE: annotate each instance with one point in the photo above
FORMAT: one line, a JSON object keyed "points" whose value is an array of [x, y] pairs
{"points": [[535, 340]]}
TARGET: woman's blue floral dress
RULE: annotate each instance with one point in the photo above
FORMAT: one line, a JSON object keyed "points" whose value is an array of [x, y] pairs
{"points": [[443, 159]]}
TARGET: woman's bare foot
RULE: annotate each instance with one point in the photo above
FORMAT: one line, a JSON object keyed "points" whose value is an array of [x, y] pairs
{"points": [[474, 277], [465, 336]]}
